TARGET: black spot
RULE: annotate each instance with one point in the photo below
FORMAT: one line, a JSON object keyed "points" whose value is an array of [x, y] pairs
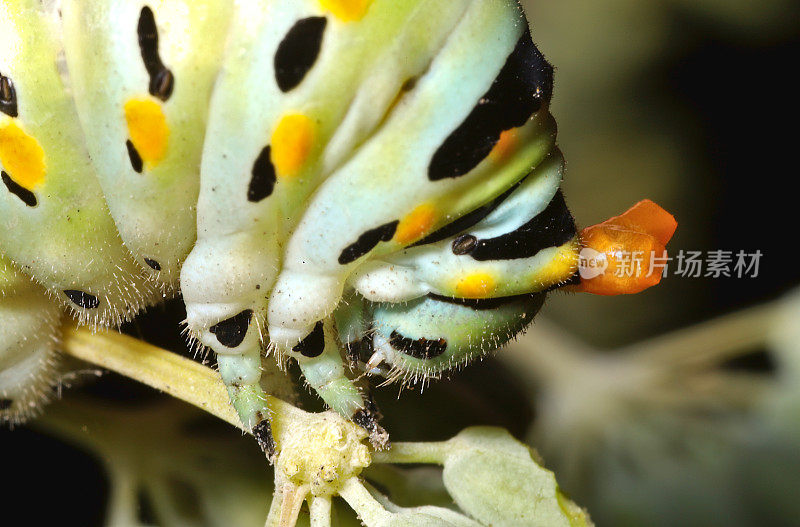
{"points": [[162, 85], [162, 81], [464, 244], [5, 404], [27, 197], [367, 241], [314, 344], [263, 434], [468, 220], [82, 299], [483, 304], [133, 154], [8, 96], [263, 181], [553, 227], [423, 348], [520, 89], [298, 52], [152, 264], [231, 332]]}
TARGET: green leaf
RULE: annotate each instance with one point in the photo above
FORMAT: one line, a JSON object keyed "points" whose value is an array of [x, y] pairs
{"points": [[495, 479], [428, 517]]}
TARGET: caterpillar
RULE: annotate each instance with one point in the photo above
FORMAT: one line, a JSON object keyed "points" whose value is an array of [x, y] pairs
{"points": [[358, 185]]}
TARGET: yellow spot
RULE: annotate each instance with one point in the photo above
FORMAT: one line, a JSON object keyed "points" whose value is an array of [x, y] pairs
{"points": [[291, 144], [562, 266], [416, 224], [347, 10], [476, 285], [22, 156], [148, 130], [505, 146]]}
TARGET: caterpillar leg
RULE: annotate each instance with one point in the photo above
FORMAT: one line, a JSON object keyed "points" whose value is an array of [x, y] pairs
{"points": [[224, 284], [28, 337], [226, 311], [323, 367], [421, 339], [238, 344]]}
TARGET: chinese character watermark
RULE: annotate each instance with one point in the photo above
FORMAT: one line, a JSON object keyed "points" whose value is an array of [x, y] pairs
{"points": [[686, 264]]}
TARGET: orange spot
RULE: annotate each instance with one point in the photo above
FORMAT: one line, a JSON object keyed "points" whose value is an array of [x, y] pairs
{"points": [[628, 244], [560, 268], [148, 130], [291, 144], [22, 156], [476, 285], [509, 139], [416, 224], [347, 10]]}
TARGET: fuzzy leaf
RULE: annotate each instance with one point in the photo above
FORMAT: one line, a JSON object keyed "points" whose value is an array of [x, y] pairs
{"points": [[495, 479]]}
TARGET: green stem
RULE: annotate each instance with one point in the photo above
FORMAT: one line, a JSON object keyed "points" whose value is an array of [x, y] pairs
{"points": [[163, 370], [709, 343], [320, 512], [414, 453], [369, 511]]}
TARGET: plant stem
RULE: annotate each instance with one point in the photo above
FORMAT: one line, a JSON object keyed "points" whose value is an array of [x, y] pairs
{"points": [[369, 511], [163, 370], [414, 453], [547, 353], [320, 512], [713, 341]]}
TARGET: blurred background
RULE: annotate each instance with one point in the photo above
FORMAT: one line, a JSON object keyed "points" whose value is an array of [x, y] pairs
{"points": [[678, 406]]}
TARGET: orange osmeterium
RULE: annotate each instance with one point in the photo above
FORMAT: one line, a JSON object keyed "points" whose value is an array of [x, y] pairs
{"points": [[624, 255]]}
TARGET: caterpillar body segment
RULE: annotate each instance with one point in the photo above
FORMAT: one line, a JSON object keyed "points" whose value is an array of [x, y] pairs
{"points": [[423, 338], [302, 129], [28, 338], [420, 182], [522, 242], [141, 75], [54, 222]]}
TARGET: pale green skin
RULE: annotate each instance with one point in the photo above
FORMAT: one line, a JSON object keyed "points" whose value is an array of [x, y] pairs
{"points": [[418, 271], [28, 336], [69, 241], [469, 333], [392, 165], [154, 211], [278, 257]]}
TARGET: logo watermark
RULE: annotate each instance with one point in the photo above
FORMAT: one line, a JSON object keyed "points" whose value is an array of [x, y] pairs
{"points": [[686, 264]]}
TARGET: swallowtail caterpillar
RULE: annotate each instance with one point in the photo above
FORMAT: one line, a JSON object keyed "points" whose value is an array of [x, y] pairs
{"points": [[363, 185]]}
